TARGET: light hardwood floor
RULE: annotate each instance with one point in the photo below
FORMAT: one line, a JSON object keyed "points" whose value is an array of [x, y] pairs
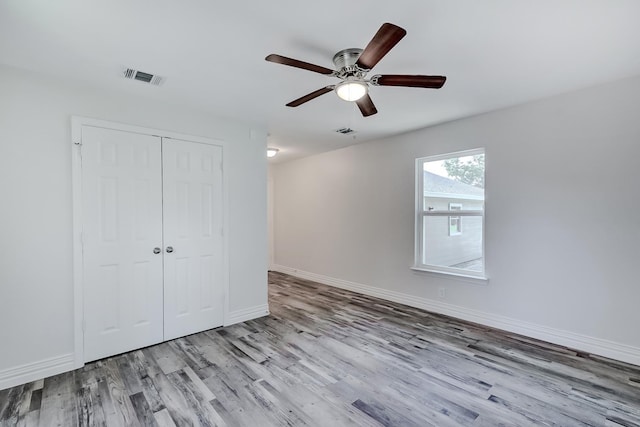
{"points": [[328, 357]]}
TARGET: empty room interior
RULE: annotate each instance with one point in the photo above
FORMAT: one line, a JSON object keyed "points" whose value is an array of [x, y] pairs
{"points": [[419, 213]]}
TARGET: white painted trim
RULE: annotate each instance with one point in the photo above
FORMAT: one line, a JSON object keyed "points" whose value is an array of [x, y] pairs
{"points": [[270, 216], [445, 156], [78, 288], [453, 273], [419, 208], [245, 314], [598, 346], [37, 370], [77, 122], [452, 213], [226, 276], [452, 196]]}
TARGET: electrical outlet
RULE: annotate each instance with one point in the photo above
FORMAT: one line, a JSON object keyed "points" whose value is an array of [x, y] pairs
{"points": [[442, 293]]}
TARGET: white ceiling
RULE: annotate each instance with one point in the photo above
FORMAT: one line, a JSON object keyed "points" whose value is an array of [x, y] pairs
{"points": [[495, 53]]}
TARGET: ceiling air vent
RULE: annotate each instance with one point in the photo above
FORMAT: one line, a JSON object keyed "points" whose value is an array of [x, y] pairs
{"points": [[346, 131], [141, 76]]}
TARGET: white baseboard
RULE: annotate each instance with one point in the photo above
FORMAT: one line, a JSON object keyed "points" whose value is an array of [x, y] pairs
{"points": [[247, 314], [35, 371], [598, 346]]}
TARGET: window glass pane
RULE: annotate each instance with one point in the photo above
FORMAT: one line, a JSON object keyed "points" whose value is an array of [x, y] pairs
{"points": [[461, 176], [462, 251]]}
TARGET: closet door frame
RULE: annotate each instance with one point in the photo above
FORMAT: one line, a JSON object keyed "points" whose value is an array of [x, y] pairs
{"points": [[77, 123]]}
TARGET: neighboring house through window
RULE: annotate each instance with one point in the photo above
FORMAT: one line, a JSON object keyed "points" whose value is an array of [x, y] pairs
{"points": [[450, 213]]}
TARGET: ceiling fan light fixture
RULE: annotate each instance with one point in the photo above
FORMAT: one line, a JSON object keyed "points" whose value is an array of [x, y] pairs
{"points": [[271, 152], [351, 90]]}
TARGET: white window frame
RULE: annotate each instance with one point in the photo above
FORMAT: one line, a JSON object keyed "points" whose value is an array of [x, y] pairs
{"points": [[423, 211]]}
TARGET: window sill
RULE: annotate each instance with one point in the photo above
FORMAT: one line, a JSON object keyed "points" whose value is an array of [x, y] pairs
{"points": [[452, 275]]}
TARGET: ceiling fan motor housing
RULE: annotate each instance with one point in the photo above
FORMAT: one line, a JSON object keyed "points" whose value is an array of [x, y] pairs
{"points": [[346, 57], [345, 62]]}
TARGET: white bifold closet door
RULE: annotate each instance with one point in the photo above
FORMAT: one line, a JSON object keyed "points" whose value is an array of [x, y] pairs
{"points": [[122, 224], [152, 240], [193, 274]]}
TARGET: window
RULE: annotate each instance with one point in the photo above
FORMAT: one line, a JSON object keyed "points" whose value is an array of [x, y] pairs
{"points": [[450, 213], [455, 225]]}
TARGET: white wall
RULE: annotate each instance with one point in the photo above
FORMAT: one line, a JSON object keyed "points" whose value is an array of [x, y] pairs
{"points": [[36, 298], [562, 223]]}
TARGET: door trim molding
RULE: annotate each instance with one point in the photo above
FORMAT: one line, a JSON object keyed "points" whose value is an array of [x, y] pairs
{"points": [[77, 122]]}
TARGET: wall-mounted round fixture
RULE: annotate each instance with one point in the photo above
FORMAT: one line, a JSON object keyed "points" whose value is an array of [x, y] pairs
{"points": [[271, 152], [352, 90]]}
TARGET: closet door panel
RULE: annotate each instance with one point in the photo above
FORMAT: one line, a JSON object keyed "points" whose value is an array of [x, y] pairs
{"points": [[192, 195], [122, 224]]}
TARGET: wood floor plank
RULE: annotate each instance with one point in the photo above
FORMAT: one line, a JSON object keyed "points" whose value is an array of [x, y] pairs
{"points": [[329, 357], [12, 401], [58, 401], [163, 418], [143, 410], [166, 357], [175, 402], [122, 411], [194, 357], [385, 415], [89, 404], [130, 377]]}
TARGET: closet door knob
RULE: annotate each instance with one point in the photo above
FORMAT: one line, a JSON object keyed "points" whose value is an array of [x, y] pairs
{"points": [[169, 249], [157, 250]]}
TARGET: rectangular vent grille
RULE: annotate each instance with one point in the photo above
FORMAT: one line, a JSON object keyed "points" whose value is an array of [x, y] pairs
{"points": [[346, 131], [141, 76]]}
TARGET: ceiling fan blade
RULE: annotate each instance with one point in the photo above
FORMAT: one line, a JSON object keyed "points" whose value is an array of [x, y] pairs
{"points": [[431, 82], [365, 104], [310, 96], [385, 39], [298, 64]]}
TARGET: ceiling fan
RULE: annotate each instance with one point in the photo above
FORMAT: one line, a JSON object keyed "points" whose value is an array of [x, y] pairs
{"points": [[352, 66]]}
